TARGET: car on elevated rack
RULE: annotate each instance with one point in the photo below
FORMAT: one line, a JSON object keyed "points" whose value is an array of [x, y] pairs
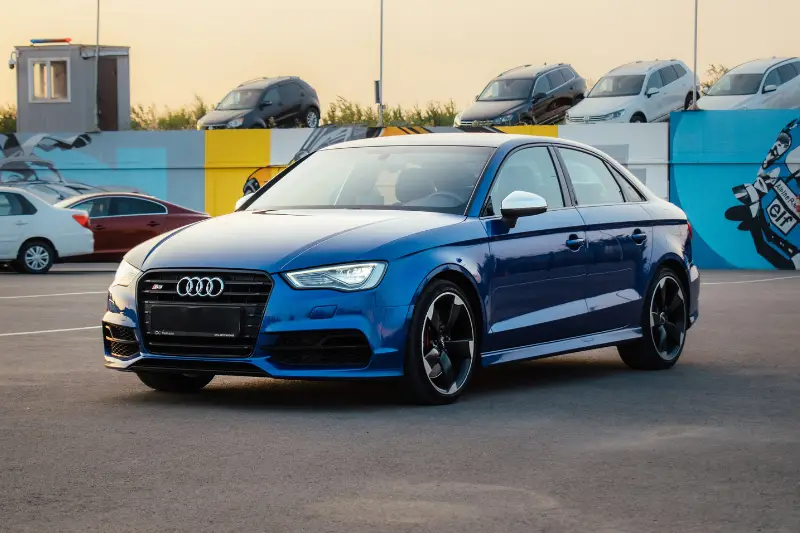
{"points": [[121, 221], [643, 91], [34, 234], [525, 95], [772, 83], [421, 258]]}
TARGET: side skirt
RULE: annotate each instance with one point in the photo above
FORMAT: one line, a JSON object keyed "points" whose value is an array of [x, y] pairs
{"points": [[577, 344]]}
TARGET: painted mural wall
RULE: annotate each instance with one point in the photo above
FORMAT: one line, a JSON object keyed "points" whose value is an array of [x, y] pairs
{"points": [[209, 171], [736, 173]]}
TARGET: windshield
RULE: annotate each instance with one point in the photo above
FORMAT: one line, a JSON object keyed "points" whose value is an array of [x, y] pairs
{"points": [[609, 86], [736, 85], [243, 99], [506, 90], [420, 178]]}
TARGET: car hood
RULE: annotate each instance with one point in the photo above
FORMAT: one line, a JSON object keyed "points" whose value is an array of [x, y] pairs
{"points": [[276, 241], [222, 117], [593, 107], [490, 110], [724, 102]]}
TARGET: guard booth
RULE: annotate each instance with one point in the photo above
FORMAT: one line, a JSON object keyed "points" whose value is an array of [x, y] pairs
{"points": [[56, 87]]}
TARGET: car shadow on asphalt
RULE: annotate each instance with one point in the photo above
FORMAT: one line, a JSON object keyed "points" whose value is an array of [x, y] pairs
{"points": [[491, 383]]}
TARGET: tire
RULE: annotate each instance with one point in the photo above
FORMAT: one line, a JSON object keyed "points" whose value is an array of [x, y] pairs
{"points": [[180, 383], [312, 118], [688, 102], [441, 355], [35, 257], [664, 325], [638, 118]]}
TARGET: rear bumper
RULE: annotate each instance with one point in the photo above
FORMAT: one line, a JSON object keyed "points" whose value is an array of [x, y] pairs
{"points": [[74, 244]]}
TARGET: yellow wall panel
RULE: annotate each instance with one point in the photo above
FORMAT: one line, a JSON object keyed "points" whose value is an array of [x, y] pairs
{"points": [[541, 131], [231, 157]]}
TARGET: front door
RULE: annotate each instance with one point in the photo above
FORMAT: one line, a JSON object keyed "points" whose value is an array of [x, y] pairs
{"points": [[542, 99], [538, 279], [619, 234]]}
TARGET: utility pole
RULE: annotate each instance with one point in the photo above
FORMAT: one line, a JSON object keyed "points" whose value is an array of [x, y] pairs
{"points": [[380, 76], [97, 71], [694, 80]]}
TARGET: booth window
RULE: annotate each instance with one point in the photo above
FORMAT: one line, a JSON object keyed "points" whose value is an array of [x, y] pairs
{"points": [[49, 80]]}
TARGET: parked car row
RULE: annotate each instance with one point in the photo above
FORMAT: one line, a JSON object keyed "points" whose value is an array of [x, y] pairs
{"points": [[642, 91], [35, 234]]}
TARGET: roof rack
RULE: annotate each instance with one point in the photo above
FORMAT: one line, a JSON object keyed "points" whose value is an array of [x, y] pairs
{"points": [[254, 79], [515, 68]]}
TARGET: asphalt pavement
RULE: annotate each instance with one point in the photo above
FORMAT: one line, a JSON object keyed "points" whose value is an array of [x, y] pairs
{"points": [[573, 443]]}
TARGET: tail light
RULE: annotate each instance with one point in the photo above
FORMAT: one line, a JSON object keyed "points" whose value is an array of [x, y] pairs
{"points": [[82, 219], [691, 232]]}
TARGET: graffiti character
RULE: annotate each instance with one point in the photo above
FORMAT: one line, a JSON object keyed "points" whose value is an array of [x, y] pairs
{"points": [[770, 208]]}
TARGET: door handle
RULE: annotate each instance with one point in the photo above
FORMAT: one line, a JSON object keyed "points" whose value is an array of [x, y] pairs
{"points": [[153, 224], [574, 242], [638, 236], [99, 227], [21, 223]]}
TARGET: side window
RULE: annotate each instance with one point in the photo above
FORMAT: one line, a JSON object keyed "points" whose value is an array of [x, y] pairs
{"points": [[787, 73], [591, 179], [654, 81], [542, 85], [773, 78], [556, 79], [527, 170], [568, 74], [12, 205], [668, 75], [27, 207], [135, 206], [628, 190], [272, 95], [290, 92], [679, 70], [98, 207]]}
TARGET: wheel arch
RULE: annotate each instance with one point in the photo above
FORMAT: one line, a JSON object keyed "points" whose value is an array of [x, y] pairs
{"points": [[641, 114], [44, 240], [674, 263], [464, 281]]}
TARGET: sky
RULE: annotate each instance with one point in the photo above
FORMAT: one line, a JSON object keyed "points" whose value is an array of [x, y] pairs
{"points": [[434, 50]]}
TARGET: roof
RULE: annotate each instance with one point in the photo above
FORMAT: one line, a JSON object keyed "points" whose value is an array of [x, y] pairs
{"points": [[760, 66], [486, 140], [261, 83], [529, 71], [80, 197], [639, 67]]}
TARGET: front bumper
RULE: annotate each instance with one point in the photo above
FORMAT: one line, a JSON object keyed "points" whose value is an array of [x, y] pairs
{"points": [[288, 312]]}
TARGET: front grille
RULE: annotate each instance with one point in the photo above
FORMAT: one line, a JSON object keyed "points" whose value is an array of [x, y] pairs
{"points": [[327, 348], [586, 120], [246, 290], [120, 341]]}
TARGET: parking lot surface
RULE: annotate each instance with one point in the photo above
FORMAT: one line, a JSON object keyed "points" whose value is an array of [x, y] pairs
{"points": [[573, 443]]}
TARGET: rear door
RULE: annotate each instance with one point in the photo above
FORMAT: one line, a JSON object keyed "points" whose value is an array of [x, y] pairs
{"points": [[12, 225], [137, 220], [673, 93], [292, 101], [619, 236], [539, 269]]}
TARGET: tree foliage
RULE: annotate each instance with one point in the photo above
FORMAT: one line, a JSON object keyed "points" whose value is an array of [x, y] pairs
{"points": [[8, 119], [714, 73], [343, 112], [182, 118]]}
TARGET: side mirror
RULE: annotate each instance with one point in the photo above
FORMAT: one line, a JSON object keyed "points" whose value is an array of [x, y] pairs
{"points": [[240, 202], [770, 88], [477, 96], [520, 204], [651, 91], [539, 96]]}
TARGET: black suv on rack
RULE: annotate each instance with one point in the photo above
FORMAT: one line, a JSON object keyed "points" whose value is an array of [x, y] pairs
{"points": [[526, 95], [264, 103]]}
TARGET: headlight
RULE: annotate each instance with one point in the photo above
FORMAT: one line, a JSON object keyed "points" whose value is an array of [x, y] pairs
{"points": [[235, 123], [351, 277], [615, 114], [125, 274], [457, 121], [506, 119]]}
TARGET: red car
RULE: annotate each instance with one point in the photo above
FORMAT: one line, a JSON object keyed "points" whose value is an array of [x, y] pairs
{"points": [[120, 221]]}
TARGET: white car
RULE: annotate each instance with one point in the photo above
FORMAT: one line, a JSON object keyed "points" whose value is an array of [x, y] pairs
{"points": [[759, 84], [644, 91], [35, 234]]}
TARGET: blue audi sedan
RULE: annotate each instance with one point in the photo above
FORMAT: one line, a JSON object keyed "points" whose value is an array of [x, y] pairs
{"points": [[421, 258]]}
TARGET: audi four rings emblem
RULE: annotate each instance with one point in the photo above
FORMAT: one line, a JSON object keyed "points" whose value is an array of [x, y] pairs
{"points": [[203, 287]]}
